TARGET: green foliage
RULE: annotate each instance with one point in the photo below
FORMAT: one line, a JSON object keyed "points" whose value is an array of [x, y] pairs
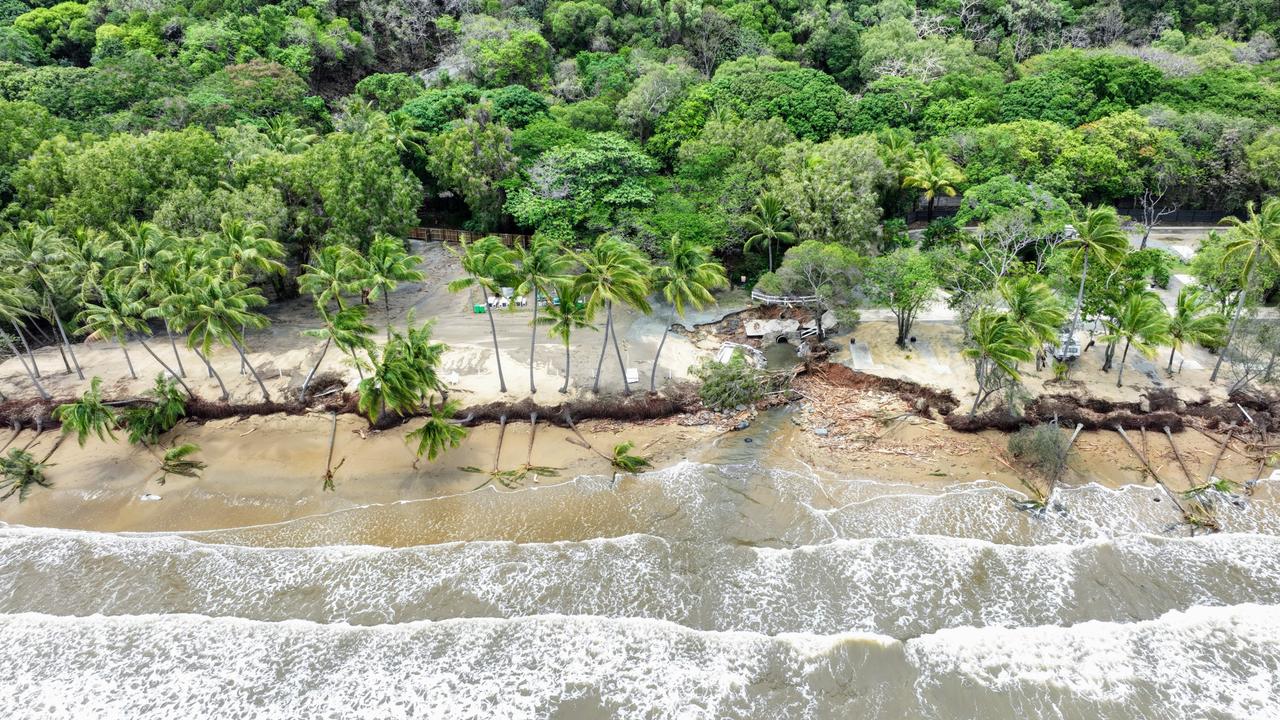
{"points": [[19, 472], [472, 158], [1043, 447], [813, 106], [726, 386], [516, 105], [178, 461], [389, 91], [146, 423], [438, 434], [87, 416], [435, 108], [256, 89], [625, 461]]}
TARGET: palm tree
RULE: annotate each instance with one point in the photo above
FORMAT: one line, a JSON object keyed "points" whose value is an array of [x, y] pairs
{"points": [[996, 346], [489, 265], [1142, 322], [768, 224], [405, 375], [19, 472], [1034, 308], [540, 265], [614, 271], [1255, 238], [346, 328], [567, 313], [1193, 322], [243, 248], [12, 308], [108, 319], [385, 266], [686, 280], [88, 415], [220, 310], [439, 433], [933, 172], [334, 271], [37, 252], [286, 136], [1097, 237], [93, 255]]}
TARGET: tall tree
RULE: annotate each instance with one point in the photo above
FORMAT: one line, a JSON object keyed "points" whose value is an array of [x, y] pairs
{"points": [[1193, 321], [13, 307], [613, 271], [1142, 322], [385, 266], [221, 309], [933, 173], [1255, 238], [1034, 308], [566, 313], [489, 265], [334, 271], [904, 281], [540, 266], [996, 346], [39, 255], [687, 279], [769, 225], [1097, 237]]}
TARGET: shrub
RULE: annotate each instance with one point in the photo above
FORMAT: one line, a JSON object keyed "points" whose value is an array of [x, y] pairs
{"points": [[1043, 447], [728, 385]]}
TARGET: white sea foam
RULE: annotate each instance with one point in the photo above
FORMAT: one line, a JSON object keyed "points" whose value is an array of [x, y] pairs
{"points": [[1215, 662], [896, 586]]}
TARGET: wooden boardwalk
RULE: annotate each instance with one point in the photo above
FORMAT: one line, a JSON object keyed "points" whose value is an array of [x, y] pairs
{"points": [[454, 235]]}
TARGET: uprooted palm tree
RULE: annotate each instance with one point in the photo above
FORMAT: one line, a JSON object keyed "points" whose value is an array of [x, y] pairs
{"points": [[1193, 321], [19, 472], [1142, 323], [624, 460], [996, 346], [88, 415], [439, 433], [613, 271], [540, 265], [565, 314], [769, 225], [1256, 238], [405, 374], [489, 265], [348, 330], [686, 280]]}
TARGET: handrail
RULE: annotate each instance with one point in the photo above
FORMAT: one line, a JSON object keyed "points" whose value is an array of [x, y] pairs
{"points": [[453, 235], [783, 299]]}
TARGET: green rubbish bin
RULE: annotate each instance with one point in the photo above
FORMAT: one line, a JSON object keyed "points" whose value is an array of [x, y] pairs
{"points": [[478, 308]]}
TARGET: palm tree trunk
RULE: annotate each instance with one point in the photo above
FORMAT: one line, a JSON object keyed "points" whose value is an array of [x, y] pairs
{"points": [[30, 356], [213, 374], [65, 341], [169, 332], [565, 389], [386, 300], [626, 386], [769, 244], [1123, 356], [1084, 272], [929, 213], [1171, 352], [497, 354], [608, 324], [314, 368], [168, 369], [533, 337], [244, 361], [127, 360], [653, 375], [35, 379], [1235, 320]]}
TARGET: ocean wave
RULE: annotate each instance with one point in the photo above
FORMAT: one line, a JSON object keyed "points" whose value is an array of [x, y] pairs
{"points": [[901, 587], [1222, 662]]}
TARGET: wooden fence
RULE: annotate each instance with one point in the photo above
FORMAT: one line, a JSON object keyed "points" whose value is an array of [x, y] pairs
{"points": [[784, 300], [453, 235]]}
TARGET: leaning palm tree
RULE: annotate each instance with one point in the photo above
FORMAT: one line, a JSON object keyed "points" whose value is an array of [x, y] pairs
{"points": [[933, 173], [1193, 321], [93, 255], [1142, 322], [348, 330], [489, 265], [540, 265], [109, 319], [687, 279], [1255, 238], [13, 307], [769, 225], [88, 415], [1098, 238], [613, 271], [37, 253], [1034, 308], [243, 248], [221, 308], [566, 313], [334, 271], [19, 472], [385, 266], [996, 346]]}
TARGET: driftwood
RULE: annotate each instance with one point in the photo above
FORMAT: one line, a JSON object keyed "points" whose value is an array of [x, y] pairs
{"points": [[1172, 498], [502, 432], [1221, 451], [1185, 472]]}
